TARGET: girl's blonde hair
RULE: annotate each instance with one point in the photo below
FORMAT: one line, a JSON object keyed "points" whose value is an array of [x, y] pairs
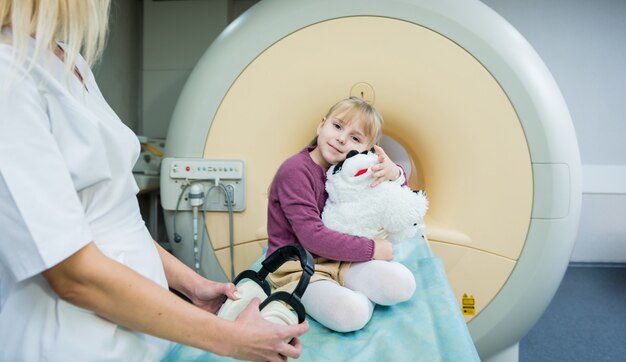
{"points": [[80, 24], [355, 108]]}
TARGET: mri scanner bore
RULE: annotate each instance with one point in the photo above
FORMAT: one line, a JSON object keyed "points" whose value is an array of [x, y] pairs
{"points": [[482, 123]]}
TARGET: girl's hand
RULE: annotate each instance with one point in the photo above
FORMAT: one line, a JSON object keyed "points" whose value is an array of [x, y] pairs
{"points": [[383, 250], [385, 169], [210, 295]]}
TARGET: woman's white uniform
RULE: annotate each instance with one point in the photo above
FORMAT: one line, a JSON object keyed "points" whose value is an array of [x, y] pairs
{"points": [[65, 180]]}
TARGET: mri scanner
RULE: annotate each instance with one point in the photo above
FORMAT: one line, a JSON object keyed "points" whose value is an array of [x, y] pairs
{"points": [[468, 104]]}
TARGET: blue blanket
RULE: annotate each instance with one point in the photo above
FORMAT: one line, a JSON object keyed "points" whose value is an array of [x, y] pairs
{"points": [[429, 327]]}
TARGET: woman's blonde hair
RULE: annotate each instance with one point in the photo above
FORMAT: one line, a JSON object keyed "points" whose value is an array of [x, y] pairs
{"points": [[80, 24], [355, 108]]}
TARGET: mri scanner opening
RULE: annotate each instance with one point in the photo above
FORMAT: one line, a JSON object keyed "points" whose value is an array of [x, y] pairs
{"points": [[470, 111]]}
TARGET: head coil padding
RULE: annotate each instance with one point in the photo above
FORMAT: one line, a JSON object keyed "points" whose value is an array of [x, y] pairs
{"points": [[248, 289]]}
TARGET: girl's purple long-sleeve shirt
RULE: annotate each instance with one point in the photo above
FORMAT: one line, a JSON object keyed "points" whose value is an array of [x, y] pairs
{"points": [[296, 199]]}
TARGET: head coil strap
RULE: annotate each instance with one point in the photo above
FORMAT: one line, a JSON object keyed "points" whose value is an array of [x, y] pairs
{"points": [[289, 300], [278, 258], [254, 276]]}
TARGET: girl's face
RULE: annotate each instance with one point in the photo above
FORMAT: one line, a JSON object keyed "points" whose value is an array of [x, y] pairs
{"points": [[336, 138]]}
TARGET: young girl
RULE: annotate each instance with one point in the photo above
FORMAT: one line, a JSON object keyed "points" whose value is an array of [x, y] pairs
{"points": [[351, 273]]}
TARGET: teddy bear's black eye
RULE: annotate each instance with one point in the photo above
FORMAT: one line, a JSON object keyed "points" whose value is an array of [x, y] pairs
{"points": [[415, 224]]}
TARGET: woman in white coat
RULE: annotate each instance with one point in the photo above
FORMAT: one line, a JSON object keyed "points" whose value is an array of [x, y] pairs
{"points": [[80, 277]]}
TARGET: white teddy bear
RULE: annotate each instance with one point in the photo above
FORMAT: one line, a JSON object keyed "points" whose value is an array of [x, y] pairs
{"points": [[388, 210]]}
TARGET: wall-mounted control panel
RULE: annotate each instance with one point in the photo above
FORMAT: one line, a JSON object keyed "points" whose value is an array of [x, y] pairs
{"points": [[178, 173], [193, 169]]}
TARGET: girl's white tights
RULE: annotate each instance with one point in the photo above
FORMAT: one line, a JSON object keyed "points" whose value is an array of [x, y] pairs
{"points": [[349, 308], [337, 307]]}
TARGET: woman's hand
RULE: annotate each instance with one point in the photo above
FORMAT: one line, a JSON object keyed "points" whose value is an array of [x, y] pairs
{"points": [[383, 250], [210, 295], [261, 340], [385, 169]]}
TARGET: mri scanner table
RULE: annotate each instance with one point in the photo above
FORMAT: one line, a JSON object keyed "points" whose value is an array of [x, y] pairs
{"points": [[429, 327]]}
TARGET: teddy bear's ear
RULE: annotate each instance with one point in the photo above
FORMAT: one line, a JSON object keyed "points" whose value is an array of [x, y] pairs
{"points": [[336, 168], [352, 153], [364, 152]]}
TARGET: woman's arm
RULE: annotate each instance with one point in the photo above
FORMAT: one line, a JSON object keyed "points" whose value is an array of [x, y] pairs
{"points": [[203, 293], [91, 280]]}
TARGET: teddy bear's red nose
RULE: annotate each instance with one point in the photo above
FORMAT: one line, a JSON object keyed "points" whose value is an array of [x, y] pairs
{"points": [[360, 172]]}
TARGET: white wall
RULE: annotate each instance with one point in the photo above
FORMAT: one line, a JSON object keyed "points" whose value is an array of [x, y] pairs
{"points": [[117, 73], [582, 43], [175, 35]]}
